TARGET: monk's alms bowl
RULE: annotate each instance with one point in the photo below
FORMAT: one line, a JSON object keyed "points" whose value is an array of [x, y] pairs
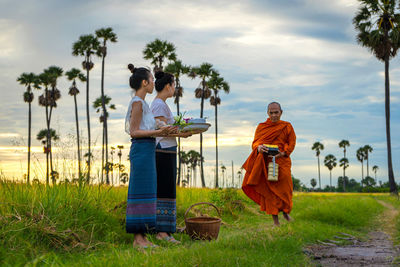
{"points": [[273, 150]]}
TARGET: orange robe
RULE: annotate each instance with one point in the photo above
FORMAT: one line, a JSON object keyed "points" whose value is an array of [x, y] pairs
{"points": [[272, 197]]}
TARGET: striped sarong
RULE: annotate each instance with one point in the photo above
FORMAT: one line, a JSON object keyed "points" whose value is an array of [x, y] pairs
{"points": [[166, 189], [142, 191]]}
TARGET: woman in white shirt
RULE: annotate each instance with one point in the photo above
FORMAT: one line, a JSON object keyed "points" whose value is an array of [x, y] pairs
{"points": [[165, 159], [142, 191]]}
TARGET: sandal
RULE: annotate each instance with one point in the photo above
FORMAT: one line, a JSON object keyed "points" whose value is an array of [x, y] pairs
{"points": [[145, 246], [171, 239]]}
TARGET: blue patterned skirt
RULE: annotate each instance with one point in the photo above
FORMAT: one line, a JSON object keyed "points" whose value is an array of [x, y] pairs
{"points": [[166, 189], [142, 191]]}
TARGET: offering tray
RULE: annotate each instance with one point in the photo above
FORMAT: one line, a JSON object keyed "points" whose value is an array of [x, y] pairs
{"points": [[195, 128]]}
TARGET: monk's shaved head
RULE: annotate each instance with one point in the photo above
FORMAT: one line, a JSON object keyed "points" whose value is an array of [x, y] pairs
{"points": [[274, 111], [274, 103]]}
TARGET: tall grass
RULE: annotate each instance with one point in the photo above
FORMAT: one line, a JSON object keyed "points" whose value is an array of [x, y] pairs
{"points": [[73, 226]]}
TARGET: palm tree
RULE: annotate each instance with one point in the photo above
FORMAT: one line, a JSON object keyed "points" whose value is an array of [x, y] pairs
{"points": [[239, 173], [313, 183], [43, 136], [367, 149], [330, 163], [317, 146], [72, 75], [120, 147], [360, 157], [44, 100], [157, 51], [375, 170], [216, 84], [378, 26], [343, 144], [86, 46], [184, 160], [110, 165], [223, 169], [49, 99], [178, 69], [124, 178], [204, 72], [54, 73], [106, 34], [98, 105], [344, 163], [29, 80], [195, 160]]}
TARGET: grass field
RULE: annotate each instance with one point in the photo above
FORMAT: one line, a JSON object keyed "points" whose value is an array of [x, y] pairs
{"points": [[72, 226]]}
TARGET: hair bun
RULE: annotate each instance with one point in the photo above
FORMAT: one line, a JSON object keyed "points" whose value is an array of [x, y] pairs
{"points": [[159, 75], [131, 67]]}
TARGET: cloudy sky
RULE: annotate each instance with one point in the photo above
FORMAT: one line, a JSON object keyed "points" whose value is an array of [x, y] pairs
{"points": [[301, 53]]}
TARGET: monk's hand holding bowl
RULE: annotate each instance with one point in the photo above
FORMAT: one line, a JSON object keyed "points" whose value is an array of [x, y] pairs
{"points": [[262, 149], [280, 154]]}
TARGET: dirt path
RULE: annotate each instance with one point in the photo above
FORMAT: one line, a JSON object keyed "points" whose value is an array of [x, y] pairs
{"points": [[378, 250]]}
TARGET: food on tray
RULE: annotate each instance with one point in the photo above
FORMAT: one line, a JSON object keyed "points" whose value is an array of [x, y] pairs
{"points": [[197, 120], [181, 121], [192, 125]]}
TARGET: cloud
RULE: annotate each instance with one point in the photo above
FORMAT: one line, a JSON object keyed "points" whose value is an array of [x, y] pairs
{"points": [[301, 53]]}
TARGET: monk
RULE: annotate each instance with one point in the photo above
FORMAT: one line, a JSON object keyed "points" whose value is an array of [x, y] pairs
{"points": [[272, 196]]}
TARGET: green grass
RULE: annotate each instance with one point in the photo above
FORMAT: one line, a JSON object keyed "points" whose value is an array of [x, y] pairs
{"points": [[72, 226]]}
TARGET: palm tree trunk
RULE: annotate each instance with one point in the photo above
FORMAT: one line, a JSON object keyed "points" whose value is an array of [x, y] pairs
{"points": [[330, 178], [393, 187], [47, 140], [195, 177], [105, 131], [102, 157], [49, 143], [319, 174], [344, 171], [88, 119], [119, 169], [362, 173], [29, 142], [232, 172], [112, 169], [367, 165], [203, 183], [77, 135], [216, 147]]}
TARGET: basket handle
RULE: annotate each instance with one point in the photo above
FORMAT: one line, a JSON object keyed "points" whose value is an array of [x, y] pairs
{"points": [[200, 203]]}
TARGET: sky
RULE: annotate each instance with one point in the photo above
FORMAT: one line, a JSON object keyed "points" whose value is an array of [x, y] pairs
{"points": [[301, 53]]}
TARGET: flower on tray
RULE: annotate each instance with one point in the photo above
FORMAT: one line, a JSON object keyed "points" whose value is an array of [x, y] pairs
{"points": [[181, 121]]}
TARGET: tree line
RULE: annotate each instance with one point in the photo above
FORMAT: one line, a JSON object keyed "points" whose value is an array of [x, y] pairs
{"points": [[162, 55], [330, 162]]}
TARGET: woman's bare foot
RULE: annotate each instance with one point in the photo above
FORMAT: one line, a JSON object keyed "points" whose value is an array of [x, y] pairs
{"points": [[276, 220], [287, 217], [141, 241], [162, 235]]}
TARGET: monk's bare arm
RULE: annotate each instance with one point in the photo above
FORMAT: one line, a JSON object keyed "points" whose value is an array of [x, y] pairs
{"points": [[254, 145], [291, 141]]}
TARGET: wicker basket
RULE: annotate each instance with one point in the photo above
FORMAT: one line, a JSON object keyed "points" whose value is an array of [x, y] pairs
{"points": [[203, 227]]}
